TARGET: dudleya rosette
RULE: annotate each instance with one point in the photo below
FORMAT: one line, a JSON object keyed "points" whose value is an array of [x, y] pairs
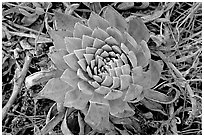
{"points": [[102, 61]]}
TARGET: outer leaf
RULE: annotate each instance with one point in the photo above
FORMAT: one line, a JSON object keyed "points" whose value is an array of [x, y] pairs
{"points": [[71, 60], [98, 117], [119, 108], [76, 99], [41, 76], [64, 127], [57, 58], [65, 22], [55, 90], [153, 106], [58, 38], [138, 30], [151, 77], [159, 97], [115, 19], [69, 76], [80, 30], [72, 44], [96, 21]]}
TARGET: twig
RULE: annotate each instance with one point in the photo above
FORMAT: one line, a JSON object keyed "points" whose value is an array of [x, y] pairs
{"points": [[18, 82]]}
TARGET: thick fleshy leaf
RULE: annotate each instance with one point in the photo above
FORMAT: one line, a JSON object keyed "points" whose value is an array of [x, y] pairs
{"points": [[138, 30], [124, 48], [116, 83], [71, 96], [152, 76], [115, 33], [73, 44], [133, 92], [98, 52], [96, 21], [80, 30], [98, 117], [125, 69], [116, 49], [55, 90], [118, 71], [65, 22], [76, 99], [115, 19], [137, 73], [88, 58], [142, 52], [42, 77], [107, 48], [159, 97], [85, 87], [70, 77], [111, 41], [154, 106], [98, 43], [99, 99], [64, 127], [124, 81], [83, 75], [132, 58], [145, 49], [100, 34], [58, 38], [114, 94], [87, 41], [107, 81], [83, 64], [71, 61], [102, 90], [57, 58], [119, 108], [80, 53], [90, 50], [124, 58]]}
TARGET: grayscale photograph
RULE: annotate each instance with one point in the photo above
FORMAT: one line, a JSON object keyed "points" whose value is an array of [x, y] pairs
{"points": [[101, 68]]}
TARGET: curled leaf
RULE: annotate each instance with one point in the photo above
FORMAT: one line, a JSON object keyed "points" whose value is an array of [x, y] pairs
{"points": [[159, 97]]}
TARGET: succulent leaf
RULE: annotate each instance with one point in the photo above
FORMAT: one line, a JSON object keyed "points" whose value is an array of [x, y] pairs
{"points": [[65, 22], [95, 21], [150, 78], [138, 30], [73, 43], [58, 38], [55, 90], [57, 58], [98, 116], [115, 19], [80, 30], [154, 106], [71, 61], [159, 97]]}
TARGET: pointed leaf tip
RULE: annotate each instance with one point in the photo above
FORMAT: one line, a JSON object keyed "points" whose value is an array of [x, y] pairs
{"points": [[115, 19], [138, 30]]}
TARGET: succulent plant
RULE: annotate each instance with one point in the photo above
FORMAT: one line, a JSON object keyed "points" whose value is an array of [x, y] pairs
{"points": [[102, 63]]}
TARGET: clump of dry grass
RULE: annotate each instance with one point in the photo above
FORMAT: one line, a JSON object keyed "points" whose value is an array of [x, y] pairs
{"points": [[176, 38]]}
